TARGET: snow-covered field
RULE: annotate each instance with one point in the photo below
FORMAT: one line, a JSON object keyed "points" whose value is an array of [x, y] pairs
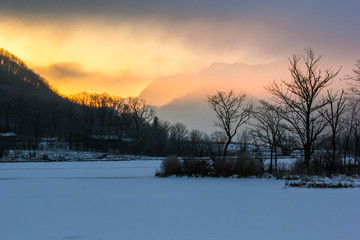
{"points": [[122, 200]]}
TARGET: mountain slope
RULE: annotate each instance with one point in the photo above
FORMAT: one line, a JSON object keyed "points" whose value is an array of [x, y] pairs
{"points": [[193, 110], [163, 90], [16, 77]]}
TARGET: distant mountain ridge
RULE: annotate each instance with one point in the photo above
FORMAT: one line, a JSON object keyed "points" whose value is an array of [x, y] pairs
{"points": [[183, 98], [218, 76], [165, 89]]}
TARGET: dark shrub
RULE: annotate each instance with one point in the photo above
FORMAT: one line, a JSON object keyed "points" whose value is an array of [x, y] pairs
{"points": [[170, 166], [282, 170], [298, 167], [321, 164], [223, 167], [241, 166], [45, 157], [196, 167], [246, 167]]}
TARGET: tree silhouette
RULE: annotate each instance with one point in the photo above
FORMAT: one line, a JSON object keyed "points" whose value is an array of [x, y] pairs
{"points": [[301, 99], [230, 113], [269, 128]]}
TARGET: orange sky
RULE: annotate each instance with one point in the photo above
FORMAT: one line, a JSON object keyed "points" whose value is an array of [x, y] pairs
{"points": [[121, 47], [93, 56]]}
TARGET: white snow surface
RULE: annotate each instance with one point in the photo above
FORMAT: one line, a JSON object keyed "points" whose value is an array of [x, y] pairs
{"points": [[123, 200]]}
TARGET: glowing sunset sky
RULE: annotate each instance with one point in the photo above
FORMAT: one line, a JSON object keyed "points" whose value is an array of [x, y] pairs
{"points": [[120, 46]]}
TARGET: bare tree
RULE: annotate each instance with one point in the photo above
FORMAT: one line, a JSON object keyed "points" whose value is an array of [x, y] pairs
{"points": [[333, 116], [178, 136], [354, 80], [87, 104], [243, 139], [351, 139], [69, 109], [103, 104], [230, 113], [159, 136], [117, 114], [139, 113], [196, 142], [269, 128], [216, 143], [301, 99]]}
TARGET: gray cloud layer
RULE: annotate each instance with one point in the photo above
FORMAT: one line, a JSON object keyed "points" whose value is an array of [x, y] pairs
{"points": [[271, 26], [332, 11]]}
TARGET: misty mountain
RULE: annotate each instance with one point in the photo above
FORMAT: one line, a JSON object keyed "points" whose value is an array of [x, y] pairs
{"points": [[218, 76], [183, 98], [193, 110]]}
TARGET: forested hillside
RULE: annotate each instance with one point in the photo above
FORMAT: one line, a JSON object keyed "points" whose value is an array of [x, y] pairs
{"points": [[16, 77], [34, 111], [25, 99]]}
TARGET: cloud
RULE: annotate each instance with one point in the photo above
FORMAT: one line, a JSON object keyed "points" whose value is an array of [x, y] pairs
{"points": [[267, 26], [253, 29], [63, 71], [71, 78]]}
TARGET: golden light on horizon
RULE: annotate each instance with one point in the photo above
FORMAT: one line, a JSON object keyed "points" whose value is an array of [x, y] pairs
{"points": [[122, 56], [120, 59]]}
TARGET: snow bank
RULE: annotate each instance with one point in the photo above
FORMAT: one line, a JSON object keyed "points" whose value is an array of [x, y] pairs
{"points": [[341, 181]]}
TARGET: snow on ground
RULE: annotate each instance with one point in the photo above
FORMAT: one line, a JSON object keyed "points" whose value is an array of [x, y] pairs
{"points": [[283, 162], [63, 155], [122, 200]]}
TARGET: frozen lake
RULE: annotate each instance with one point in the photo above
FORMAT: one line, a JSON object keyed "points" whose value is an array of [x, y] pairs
{"points": [[123, 200]]}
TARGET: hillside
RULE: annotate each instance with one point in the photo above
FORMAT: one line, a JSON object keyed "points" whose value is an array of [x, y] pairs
{"points": [[29, 106], [17, 78]]}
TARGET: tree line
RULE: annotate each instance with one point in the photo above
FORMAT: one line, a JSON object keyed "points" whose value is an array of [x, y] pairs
{"points": [[97, 122]]}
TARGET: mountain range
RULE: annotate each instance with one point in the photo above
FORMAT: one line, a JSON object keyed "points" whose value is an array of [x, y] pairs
{"points": [[183, 98]]}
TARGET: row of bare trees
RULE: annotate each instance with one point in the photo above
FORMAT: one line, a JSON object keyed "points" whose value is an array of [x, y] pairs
{"points": [[97, 122], [303, 114]]}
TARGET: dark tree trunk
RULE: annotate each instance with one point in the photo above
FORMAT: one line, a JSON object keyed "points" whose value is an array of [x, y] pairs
{"points": [[276, 160], [226, 147], [307, 157], [271, 158]]}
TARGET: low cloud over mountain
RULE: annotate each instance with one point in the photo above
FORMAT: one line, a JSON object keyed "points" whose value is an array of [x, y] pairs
{"points": [[183, 98]]}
